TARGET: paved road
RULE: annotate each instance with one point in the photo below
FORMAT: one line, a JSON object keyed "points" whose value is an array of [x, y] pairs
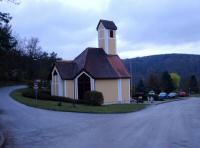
{"points": [[169, 125]]}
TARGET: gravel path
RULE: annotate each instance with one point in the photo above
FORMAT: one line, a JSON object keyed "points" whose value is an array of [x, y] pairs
{"points": [[169, 125]]}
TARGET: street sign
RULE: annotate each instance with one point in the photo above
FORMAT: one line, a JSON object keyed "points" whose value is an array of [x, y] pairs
{"points": [[35, 86]]}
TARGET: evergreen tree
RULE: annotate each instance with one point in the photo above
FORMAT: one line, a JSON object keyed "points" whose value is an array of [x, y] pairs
{"points": [[193, 84], [140, 87], [166, 82], [153, 83]]}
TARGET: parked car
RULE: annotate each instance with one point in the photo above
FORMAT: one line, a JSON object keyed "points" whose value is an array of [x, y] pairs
{"points": [[172, 95], [139, 97], [182, 94], [151, 93], [163, 95]]}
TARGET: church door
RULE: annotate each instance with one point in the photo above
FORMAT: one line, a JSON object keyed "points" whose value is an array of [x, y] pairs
{"points": [[83, 85]]}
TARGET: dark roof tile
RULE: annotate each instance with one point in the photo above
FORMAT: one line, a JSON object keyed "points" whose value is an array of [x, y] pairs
{"points": [[107, 24], [66, 69]]}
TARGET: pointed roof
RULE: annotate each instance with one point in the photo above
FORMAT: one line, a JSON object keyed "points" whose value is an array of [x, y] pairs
{"points": [[107, 24], [96, 63]]}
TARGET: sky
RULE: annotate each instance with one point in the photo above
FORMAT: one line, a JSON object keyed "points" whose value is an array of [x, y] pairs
{"points": [[145, 27]]}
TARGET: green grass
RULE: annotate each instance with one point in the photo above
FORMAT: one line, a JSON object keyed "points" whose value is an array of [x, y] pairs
{"points": [[68, 107]]}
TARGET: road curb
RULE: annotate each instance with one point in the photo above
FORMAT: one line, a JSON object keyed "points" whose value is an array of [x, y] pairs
{"points": [[2, 139], [168, 101]]}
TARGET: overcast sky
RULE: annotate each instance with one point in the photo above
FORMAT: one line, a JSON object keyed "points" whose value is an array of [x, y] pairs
{"points": [[145, 27]]}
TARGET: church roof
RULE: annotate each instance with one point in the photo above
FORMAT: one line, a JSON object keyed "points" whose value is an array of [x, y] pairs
{"points": [[107, 24], [96, 63]]}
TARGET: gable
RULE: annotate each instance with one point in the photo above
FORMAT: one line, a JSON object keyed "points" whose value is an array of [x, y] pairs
{"points": [[101, 27]]}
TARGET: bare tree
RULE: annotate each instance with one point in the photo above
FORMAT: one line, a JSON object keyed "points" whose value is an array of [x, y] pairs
{"points": [[12, 1], [33, 49]]}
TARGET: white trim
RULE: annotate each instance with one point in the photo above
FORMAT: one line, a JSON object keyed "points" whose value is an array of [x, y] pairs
{"points": [[59, 82], [76, 89], [101, 26], [54, 81], [120, 90], [83, 72], [60, 87], [106, 41], [129, 90], [65, 88], [92, 83]]}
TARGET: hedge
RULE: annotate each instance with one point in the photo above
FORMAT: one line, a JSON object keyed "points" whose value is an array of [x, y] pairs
{"points": [[90, 98], [94, 98]]}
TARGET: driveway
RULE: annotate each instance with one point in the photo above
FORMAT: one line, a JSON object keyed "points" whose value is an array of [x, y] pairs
{"points": [[168, 125]]}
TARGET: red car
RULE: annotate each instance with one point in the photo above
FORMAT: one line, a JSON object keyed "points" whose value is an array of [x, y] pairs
{"points": [[182, 94]]}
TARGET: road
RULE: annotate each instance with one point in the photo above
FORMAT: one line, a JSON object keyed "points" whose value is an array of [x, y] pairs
{"points": [[168, 125]]}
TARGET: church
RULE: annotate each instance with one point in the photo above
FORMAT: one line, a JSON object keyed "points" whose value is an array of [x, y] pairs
{"points": [[98, 69]]}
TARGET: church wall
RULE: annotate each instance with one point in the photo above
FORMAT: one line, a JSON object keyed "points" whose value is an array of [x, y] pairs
{"points": [[70, 88], [112, 46], [109, 88], [101, 43], [126, 90]]}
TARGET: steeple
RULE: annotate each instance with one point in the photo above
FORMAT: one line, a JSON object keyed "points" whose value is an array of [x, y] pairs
{"points": [[107, 36]]}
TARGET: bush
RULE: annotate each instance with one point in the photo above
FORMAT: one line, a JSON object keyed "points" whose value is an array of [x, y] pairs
{"points": [[46, 95], [93, 98], [90, 98]]}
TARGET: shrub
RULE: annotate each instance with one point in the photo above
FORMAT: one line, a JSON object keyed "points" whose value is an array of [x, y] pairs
{"points": [[90, 98], [94, 98], [45, 95]]}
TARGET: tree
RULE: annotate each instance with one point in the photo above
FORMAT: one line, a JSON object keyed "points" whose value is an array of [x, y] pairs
{"points": [[4, 18], [21, 59], [7, 41], [33, 48], [12, 1], [193, 84], [166, 82], [140, 87], [153, 83], [7, 47], [53, 56], [175, 79]]}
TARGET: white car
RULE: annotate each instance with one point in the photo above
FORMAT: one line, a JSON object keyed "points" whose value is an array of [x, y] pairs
{"points": [[172, 95], [152, 93]]}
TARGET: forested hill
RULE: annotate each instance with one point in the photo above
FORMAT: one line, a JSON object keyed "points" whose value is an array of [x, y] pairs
{"points": [[183, 64]]}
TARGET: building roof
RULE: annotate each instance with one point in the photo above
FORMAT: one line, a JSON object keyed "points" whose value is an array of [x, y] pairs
{"points": [[96, 63], [107, 24], [66, 69]]}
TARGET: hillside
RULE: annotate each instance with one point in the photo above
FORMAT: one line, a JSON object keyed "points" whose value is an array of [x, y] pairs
{"points": [[183, 64]]}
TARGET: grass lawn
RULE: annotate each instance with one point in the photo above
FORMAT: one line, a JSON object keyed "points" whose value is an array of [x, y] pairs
{"points": [[68, 107]]}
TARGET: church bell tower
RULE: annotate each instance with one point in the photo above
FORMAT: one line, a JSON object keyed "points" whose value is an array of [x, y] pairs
{"points": [[107, 36]]}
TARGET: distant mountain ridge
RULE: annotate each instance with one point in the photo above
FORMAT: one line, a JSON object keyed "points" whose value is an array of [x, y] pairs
{"points": [[183, 64]]}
